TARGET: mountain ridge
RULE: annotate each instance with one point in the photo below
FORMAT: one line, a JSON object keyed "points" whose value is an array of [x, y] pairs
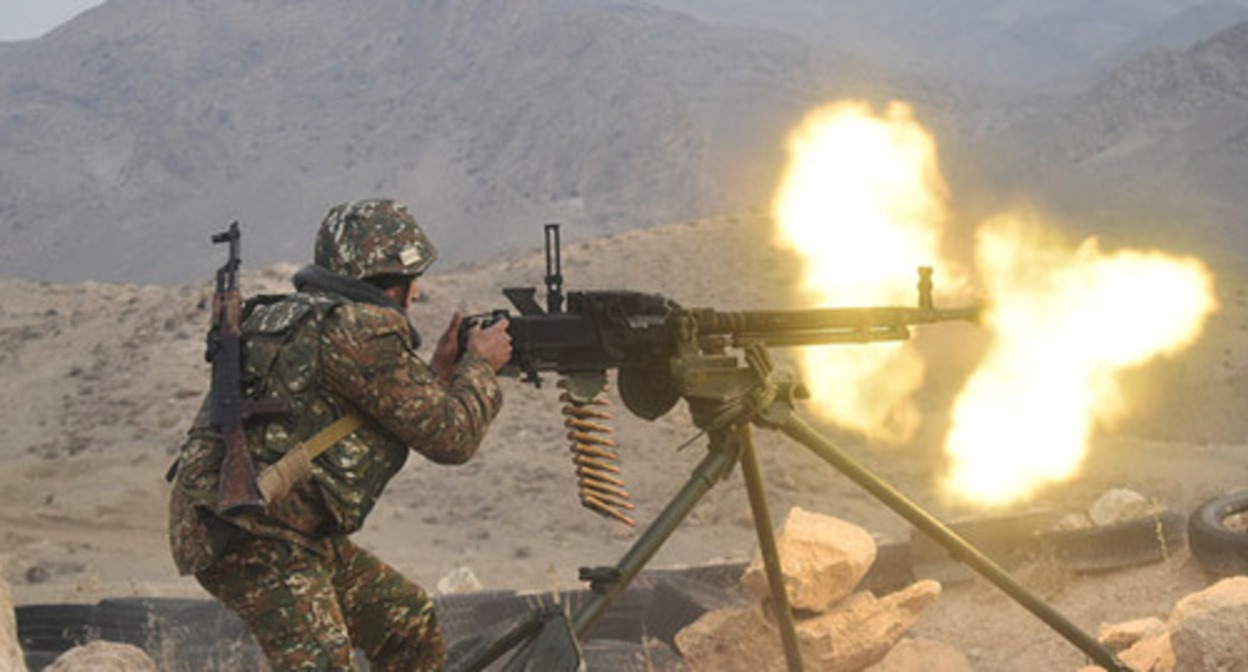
{"points": [[134, 132]]}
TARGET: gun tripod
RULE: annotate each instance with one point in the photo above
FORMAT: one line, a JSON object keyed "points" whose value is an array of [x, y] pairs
{"points": [[726, 401]]}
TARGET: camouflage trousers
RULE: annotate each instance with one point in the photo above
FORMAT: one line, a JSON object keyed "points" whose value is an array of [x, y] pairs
{"points": [[309, 612]]}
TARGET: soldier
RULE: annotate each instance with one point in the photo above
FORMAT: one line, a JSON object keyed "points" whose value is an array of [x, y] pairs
{"points": [[341, 344]]}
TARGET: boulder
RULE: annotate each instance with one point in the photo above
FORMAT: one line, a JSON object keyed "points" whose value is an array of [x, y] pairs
{"points": [[102, 656], [1151, 654], [822, 559], [1122, 636], [864, 629], [1118, 505], [459, 580], [1209, 629], [857, 633], [10, 649], [735, 638]]}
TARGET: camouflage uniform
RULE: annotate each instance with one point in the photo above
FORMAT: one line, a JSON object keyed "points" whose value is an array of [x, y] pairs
{"points": [[336, 346]]}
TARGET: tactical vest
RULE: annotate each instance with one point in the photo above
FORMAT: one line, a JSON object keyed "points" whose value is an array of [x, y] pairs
{"points": [[282, 342]]}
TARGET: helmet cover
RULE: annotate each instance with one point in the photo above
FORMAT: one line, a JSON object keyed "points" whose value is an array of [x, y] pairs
{"points": [[362, 239]]}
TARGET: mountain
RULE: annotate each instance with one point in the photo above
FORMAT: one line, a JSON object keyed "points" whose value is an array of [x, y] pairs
{"points": [[1020, 43], [1179, 32], [1155, 152], [132, 133]]}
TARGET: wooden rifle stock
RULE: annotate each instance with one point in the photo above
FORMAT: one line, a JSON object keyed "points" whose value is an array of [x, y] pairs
{"points": [[237, 492]]}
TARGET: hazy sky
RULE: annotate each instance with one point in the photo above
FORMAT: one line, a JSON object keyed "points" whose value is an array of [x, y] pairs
{"points": [[26, 19]]}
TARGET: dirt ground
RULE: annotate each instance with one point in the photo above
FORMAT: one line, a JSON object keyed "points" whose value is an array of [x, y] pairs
{"points": [[100, 383]]}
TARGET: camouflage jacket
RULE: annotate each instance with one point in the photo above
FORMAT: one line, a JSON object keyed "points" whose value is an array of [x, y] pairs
{"points": [[336, 346]]}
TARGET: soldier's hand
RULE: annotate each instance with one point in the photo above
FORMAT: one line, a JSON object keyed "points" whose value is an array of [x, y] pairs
{"points": [[493, 343], [446, 352]]}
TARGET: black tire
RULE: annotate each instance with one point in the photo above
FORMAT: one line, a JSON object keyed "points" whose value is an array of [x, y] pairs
{"points": [[37, 660], [223, 656], [1009, 539], [681, 600], [1222, 551], [615, 655], [206, 622], [1129, 543], [892, 570], [54, 627], [462, 615], [624, 620], [722, 575], [141, 621]]}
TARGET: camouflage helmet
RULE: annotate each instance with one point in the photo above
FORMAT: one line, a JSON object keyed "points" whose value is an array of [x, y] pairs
{"points": [[362, 239]]}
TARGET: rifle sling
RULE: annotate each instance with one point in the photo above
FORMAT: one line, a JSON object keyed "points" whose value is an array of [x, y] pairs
{"points": [[278, 478]]}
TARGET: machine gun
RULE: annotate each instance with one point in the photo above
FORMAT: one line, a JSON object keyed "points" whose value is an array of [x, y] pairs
{"points": [[640, 335], [662, 353], [718, 362]]}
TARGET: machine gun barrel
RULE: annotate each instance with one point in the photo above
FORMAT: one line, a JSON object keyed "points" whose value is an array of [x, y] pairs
{"points": [[816, 326]]}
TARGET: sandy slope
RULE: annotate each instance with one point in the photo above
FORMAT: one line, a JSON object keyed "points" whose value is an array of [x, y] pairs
{"points": [[100, 382]]}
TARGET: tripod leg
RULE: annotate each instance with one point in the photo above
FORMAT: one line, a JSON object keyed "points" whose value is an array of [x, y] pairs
{"points": [[712, 469], [767, 544], [800, 431]]}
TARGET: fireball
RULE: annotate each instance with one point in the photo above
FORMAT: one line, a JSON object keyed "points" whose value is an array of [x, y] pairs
{"points": [[1065, 321], [863, 204]]}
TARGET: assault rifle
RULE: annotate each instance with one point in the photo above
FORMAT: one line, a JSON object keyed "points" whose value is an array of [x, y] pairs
{"points": [[717, 362], [236, 492]]}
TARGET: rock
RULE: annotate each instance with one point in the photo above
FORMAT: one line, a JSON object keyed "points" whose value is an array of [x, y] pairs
{"points": [[10, 650], [102, 656], [922, 655], [857, 633], [459, 580], [822, 559], [1151, 654], [863, 630], [1209, 629], [1118, 505], [727, 640], [1121, 636]]}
